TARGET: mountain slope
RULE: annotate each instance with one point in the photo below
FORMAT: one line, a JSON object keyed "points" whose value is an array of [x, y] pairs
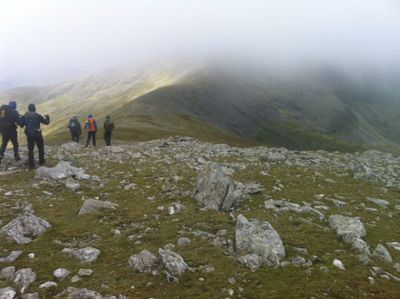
{"points": [[316, 108]]}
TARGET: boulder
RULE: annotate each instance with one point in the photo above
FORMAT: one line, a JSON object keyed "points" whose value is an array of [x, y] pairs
{"points": [[143, 261], [61, 273], [24, 278], [72, 147], [62, 170], [173, 262], [281, 206], [93, 206], [347, 226], [7, 293], [8, 273], [24, 228], [382, 253], [259, 238], [31, 296], [252, 261], [214, 189], [83, 255]]}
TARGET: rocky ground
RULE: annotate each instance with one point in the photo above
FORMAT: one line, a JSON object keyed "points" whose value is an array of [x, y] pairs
{"points": [[179, 218]]}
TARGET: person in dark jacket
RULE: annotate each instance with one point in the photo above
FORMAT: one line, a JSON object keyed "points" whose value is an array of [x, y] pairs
{"points": [[108, 128], [10, 119], [75, 128], [91, 127], [32, 120]]}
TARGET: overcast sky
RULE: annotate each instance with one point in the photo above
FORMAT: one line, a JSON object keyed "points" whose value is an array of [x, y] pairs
{"points": [[45, 36]]}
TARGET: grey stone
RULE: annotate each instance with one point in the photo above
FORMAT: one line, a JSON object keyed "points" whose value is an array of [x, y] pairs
{"points": [[382, 253], [281, 206], [347, 226], [85, 272], [83, 255], [93, 206], [62, 170], [397, 267], [24, 228], [379, 202], [260, 238], [75, 293], [7, 293], [214, 189], [173, 262], [48, 284], [8, 273], [143, 261], [73, 147], [61, 273], [12, 256], [24, 278], [182, 242]]}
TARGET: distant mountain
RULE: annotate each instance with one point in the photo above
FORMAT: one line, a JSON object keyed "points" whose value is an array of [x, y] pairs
{"points": [[302, 109]]}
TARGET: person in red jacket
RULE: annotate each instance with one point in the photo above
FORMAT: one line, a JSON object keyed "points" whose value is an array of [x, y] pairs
{"points": [[91, 128]]}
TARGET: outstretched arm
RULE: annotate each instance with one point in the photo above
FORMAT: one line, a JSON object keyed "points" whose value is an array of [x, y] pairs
{"points": [[45, 120]]}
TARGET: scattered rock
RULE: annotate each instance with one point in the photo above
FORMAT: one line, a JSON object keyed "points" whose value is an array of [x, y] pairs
{"points": [[24, 228], [75, 293], [13, 255], [24, 278], [380, 202], [338, 264], [173, 262], [214, 189], [62, 170], [260, 238], [61, 273], [83, 255], [93, 206], [8, 273], [85, 272], [48, 284], [251, 261], [281, 206], [143, 261], [7, 293], [382, 253], [182, 242]]}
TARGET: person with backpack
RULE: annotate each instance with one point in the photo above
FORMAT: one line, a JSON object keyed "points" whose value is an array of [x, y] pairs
{"points": [[108, 128], [75, 129], [31, 121], [91, 128], [9, 120]]}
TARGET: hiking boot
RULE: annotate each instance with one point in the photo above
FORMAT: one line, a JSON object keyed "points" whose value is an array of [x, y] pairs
{"points": [[41, 163], [17, 158]]}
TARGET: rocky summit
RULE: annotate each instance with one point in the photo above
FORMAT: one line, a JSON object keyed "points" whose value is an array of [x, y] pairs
{"points": [[181, 218]]}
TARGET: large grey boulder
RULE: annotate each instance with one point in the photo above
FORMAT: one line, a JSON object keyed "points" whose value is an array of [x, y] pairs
{"points": [[7, 293], [350, 230], [214, 189], [345, 226], [259, 238], [62, 170], [173, 262], [93, 206], [83, 255], [24, 278], [143, 261], [24, 228]]}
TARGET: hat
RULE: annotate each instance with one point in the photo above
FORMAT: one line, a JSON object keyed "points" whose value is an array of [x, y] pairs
{"points": [[31, 108], [12, 105], [89, 116]]}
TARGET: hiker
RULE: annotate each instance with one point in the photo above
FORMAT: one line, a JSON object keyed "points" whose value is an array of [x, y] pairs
{"points": [[75, 129], [9, 120], [91, 127], [108, 128], [32, 120]]}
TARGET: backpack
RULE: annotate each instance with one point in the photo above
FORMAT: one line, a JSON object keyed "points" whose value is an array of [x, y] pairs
{"points": [[6, 118], [109, 125], [32, 124], [73, 124]]}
